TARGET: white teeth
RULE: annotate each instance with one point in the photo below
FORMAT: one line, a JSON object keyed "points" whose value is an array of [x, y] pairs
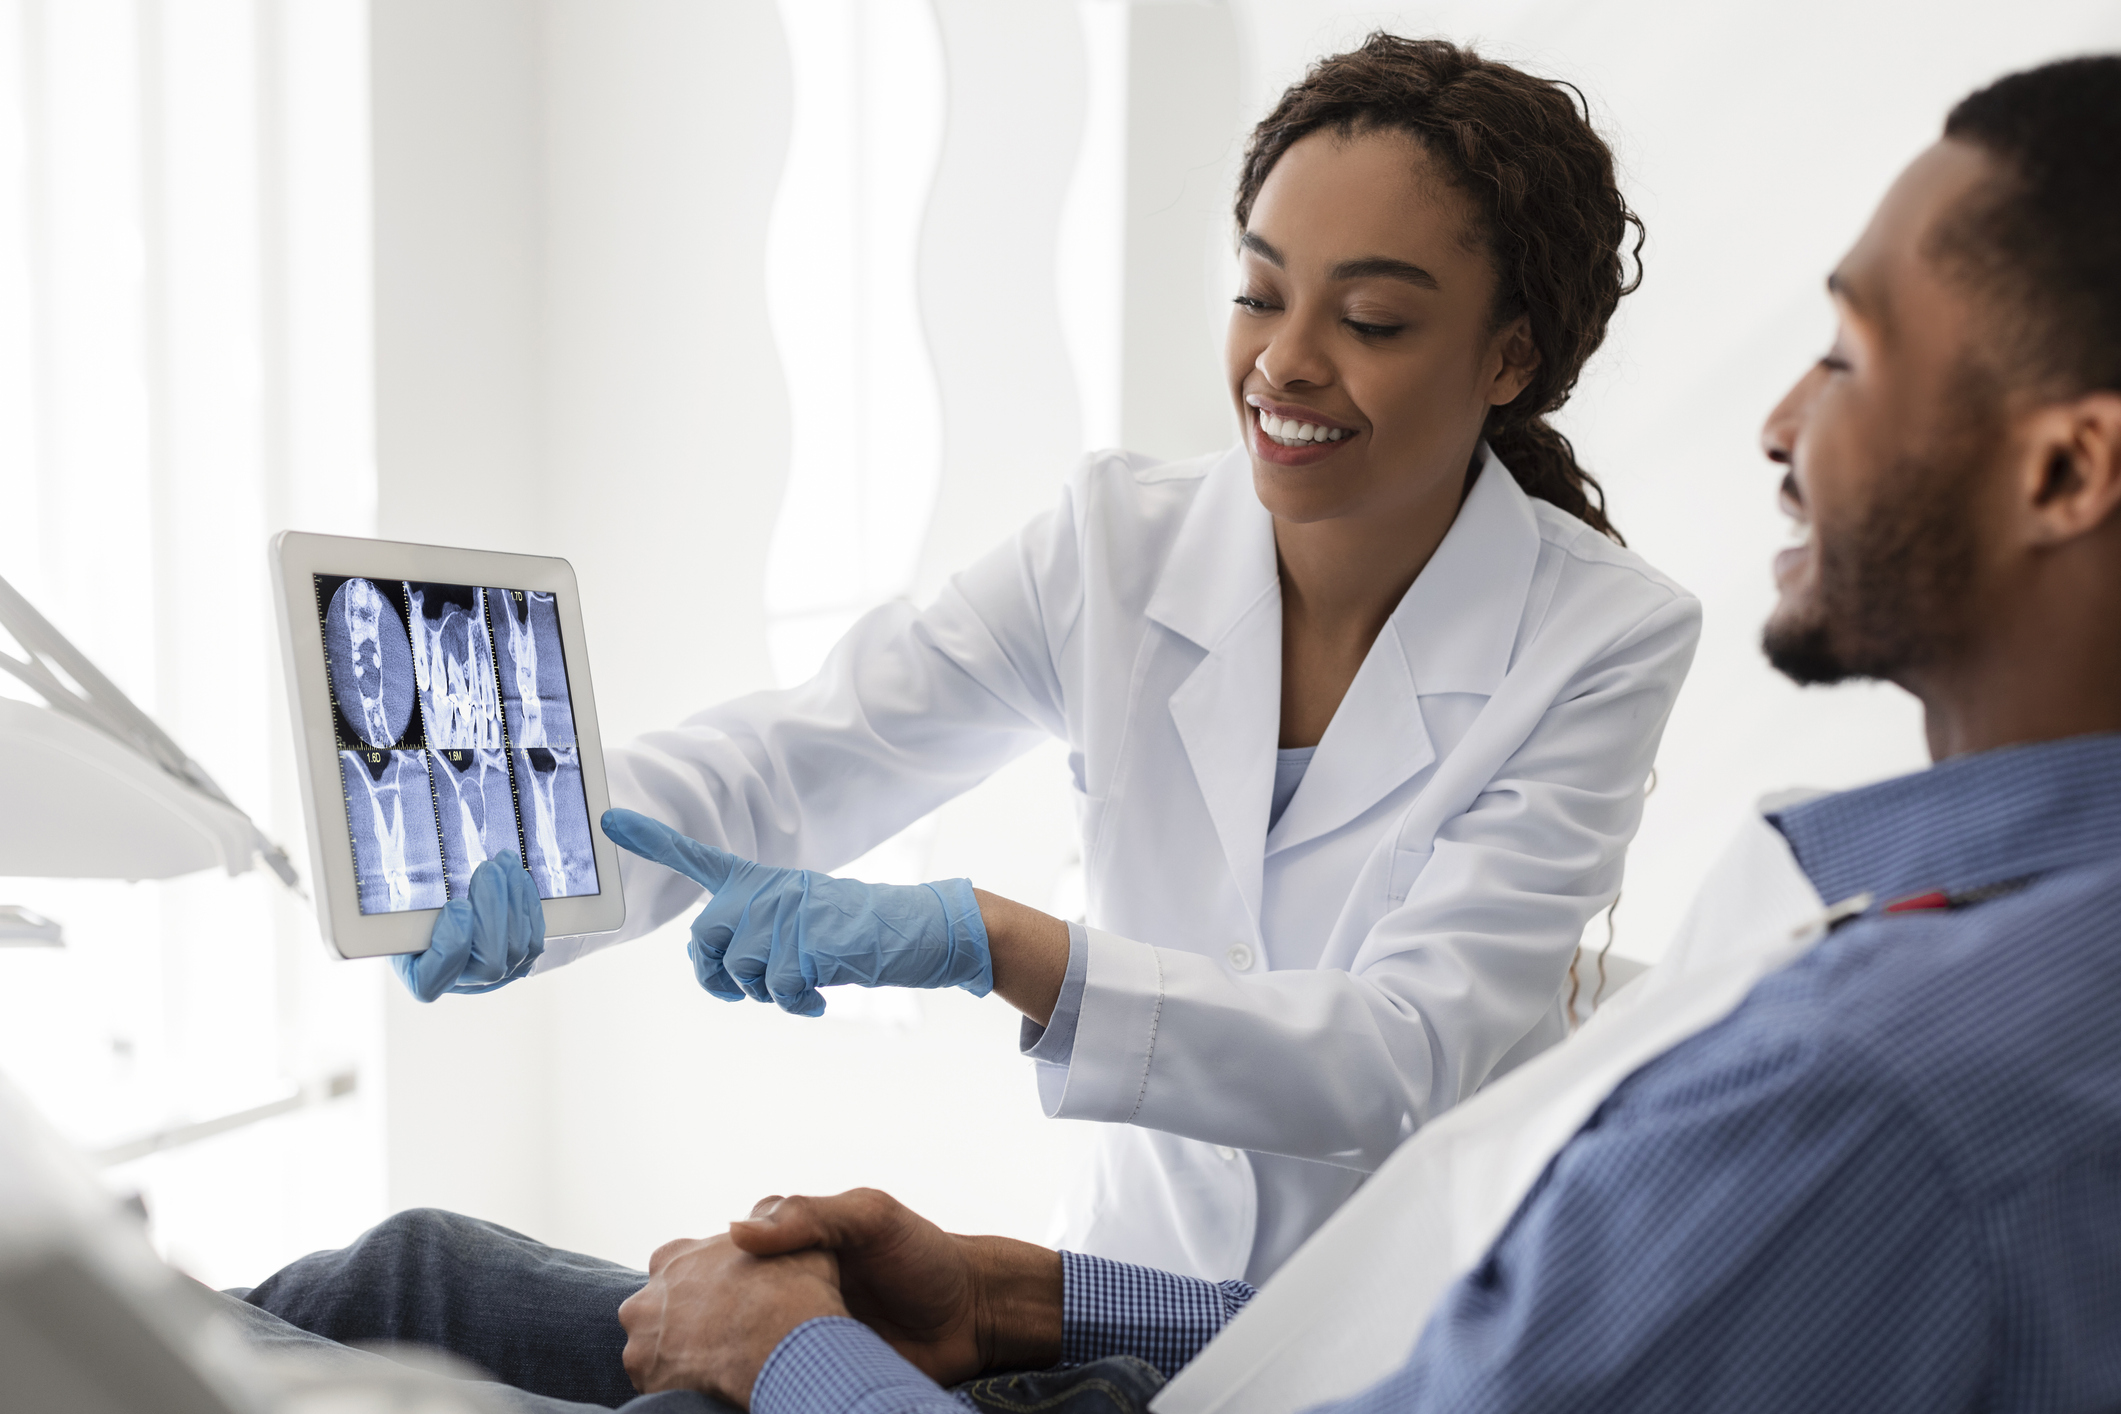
{"points": [[1288, 432]]}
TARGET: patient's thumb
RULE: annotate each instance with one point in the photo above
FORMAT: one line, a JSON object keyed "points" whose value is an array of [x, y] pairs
{"points": [[776, 1225]]}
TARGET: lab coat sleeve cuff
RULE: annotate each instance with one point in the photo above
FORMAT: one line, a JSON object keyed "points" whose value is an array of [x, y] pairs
{"points": [[1052, 1046], [1115, 1031]]}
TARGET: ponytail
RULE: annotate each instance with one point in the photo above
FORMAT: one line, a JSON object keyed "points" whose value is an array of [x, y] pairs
{"points": [[1544, 463]]}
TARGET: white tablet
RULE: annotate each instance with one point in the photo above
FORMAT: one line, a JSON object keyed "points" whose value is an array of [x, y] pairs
{"points": [[443, 716]]}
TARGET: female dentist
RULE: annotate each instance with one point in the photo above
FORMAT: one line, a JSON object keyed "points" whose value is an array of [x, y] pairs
{"points": [[1359, 712]]}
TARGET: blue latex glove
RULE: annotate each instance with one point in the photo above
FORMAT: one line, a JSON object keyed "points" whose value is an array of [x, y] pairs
{"points": [[780, 934], [481, 942]]}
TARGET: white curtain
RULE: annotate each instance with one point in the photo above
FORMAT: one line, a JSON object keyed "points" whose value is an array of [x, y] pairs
{"points": [[184, 367]]}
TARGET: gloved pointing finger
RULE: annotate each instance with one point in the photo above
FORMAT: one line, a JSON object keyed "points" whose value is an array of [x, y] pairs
{"points": [[705, 865], [778, 934]]}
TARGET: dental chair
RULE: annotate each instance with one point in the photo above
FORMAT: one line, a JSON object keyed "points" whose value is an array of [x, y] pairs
{"points": [[93, 1322]]}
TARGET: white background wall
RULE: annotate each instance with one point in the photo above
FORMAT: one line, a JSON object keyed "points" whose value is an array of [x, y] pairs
{"points": [[577, 350]]}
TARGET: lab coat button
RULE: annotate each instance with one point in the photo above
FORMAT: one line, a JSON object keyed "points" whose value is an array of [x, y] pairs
{"points": [[1225, 1153], [1241, 956]]}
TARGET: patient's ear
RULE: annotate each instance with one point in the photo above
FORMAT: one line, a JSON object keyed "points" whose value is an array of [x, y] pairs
{"points": [[2070, 467]]}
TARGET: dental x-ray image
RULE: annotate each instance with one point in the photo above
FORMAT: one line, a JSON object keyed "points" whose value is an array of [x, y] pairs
{"points": [[477, 677], [452, 660], [368, 658], [562, 860], [476, 802], [526, 640], [390, 811]]}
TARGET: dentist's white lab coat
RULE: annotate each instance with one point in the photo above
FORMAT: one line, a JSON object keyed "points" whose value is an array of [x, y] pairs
{"points": [[1267, 1014]]}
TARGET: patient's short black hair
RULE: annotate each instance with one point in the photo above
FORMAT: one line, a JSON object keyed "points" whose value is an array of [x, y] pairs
{"points": [[2043, 243]]}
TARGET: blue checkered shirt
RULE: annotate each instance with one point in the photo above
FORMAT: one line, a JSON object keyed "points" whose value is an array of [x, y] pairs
{"points": [[1889, 1181], [1107, 1308]]}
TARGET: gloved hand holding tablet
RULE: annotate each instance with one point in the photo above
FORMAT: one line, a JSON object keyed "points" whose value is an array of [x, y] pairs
{"points": [[483, 941]]}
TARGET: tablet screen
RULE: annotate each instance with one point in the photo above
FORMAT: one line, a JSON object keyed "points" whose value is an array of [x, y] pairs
{"points": [[456, 738]]}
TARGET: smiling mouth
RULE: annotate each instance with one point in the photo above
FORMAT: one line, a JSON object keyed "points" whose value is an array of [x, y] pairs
{"points": [[1791, 496], [1792, 558], [1288, 432], [1789, 560]]}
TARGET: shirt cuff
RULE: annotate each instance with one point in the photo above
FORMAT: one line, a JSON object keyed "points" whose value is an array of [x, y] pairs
{"points": [[1052, 1047], [1117, 1308], [834, 1365]]}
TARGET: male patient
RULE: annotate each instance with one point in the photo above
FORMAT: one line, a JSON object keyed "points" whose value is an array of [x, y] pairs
{"points": [[1890, 1179]]}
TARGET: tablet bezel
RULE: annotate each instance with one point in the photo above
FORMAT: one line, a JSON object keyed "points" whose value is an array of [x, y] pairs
{"points": [[297, 557]]}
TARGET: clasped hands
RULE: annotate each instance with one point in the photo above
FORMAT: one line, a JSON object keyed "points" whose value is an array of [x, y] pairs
{"points": [[714, 1309]]}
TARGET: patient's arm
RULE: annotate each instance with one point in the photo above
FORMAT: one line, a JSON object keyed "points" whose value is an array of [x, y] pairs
{"points": [[957, 1307], [953, 1306]]}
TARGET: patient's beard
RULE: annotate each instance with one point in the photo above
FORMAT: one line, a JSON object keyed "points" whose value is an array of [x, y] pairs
{"points": [[1895, 586]]}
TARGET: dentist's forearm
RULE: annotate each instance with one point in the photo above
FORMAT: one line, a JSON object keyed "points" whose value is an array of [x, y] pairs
{"points": [[1030, 953]]}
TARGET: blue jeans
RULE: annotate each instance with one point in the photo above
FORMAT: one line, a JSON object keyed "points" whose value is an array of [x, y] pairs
{"points": [[542, 1322], [545, 1323], [1119, 1384]]}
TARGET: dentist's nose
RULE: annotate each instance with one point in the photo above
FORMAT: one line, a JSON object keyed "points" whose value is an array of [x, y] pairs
{"points": [[1292, 357]]}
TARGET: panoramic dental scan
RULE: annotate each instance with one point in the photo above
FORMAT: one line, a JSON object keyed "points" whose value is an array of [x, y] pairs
{"points": [[456, 738]]}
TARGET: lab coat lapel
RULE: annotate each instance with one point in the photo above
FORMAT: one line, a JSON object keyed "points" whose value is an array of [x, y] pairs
{"points": [[1454, 631], [1220, 590]]}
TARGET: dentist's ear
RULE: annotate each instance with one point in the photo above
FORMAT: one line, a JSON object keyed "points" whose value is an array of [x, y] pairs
{"points": [[1519, 353], [2069, 477]]}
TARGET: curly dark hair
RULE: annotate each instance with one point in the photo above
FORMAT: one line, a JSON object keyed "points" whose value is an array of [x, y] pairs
{"points": [[1524, 152]]}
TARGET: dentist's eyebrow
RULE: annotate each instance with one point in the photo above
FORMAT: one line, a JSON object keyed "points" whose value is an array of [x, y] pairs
{"points": [[1259, 247], [1369, 267], [1382, 267]]}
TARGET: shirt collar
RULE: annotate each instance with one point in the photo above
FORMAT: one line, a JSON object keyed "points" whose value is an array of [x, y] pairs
{"points": [[1964, 824], [1459, 621], [1457, 625], [1222, 560]]}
